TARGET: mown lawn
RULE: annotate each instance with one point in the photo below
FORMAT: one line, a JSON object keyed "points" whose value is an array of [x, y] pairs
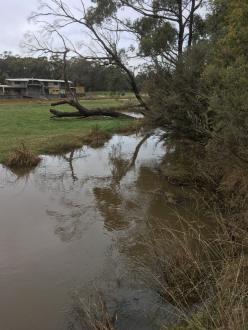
{"points": [[29, 122]]}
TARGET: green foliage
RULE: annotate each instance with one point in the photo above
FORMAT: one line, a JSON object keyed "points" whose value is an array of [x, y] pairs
{"points": [[227, 75], [22, 67], [156, 36], [179, 97], [102, 10], [206, 95], [96, 77], [229, 101], [235, 41], [92, 75], [199, 29]]}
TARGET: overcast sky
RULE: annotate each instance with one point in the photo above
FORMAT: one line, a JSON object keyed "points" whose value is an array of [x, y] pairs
{"points": [[14, 24]]}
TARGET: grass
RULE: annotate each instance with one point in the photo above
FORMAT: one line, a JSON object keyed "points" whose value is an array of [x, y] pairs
{"points": [[22, 158], [28, 122], [204, 278], [104, 94], [92, 312]]}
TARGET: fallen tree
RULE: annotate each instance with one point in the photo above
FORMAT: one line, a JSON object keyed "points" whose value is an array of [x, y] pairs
{"points": [[83, 112]]}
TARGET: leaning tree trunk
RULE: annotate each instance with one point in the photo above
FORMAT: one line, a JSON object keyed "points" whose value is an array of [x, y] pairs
{"points": [[83, 112]]}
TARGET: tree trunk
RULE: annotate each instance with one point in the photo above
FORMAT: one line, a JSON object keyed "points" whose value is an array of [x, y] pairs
{"points": [[191, 23], [83, 112], [181, 28]]}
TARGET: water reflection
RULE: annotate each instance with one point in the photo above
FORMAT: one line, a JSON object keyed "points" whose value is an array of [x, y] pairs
{"points": [[83, 196], [70, 159], [80, 215]]}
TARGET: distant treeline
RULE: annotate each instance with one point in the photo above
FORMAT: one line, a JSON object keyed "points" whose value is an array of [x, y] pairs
{"points": [[92, 75]]}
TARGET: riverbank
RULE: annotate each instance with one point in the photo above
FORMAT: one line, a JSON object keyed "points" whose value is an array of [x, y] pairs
{"points": [[28, 122], [205, 276], [184, 247], [197, 264]]}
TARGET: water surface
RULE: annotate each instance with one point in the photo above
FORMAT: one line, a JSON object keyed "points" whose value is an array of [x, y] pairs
{"points": [[64, 228]]}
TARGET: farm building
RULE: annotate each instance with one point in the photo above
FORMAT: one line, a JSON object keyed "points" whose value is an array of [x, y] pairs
{"points": [[36, 88]]}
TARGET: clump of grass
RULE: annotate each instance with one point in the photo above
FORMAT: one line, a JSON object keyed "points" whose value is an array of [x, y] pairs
{"points": [[206, 279], [92, 312], [97, 137], [22, 157], [227, 307], [179, 272]]}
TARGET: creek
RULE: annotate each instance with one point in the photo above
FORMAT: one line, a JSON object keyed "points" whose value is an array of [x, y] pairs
{"points": [[70, 225]]}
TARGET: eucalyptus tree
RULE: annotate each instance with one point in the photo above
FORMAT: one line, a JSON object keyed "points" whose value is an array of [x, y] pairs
{"points": [[98, 42], [169, 24], [127, 34]]}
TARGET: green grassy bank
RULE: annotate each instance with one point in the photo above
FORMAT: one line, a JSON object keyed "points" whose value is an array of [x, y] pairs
{"points": [[29, 122]]}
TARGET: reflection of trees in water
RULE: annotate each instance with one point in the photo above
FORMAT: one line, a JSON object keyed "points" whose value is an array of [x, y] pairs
{"points": [[113, 207], [70, 159], [68, 226], [123, 202], [170, 208], [72, 216], [180, 161], [142, 198], [135, 201], [120, 165], [117, 163], [66, 190], [120, 199], [70, 220], [126, 205], [118, 209]]}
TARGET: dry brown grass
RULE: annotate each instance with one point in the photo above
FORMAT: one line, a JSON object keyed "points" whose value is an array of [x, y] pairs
{"points": [[92, 312], [208, 276], [96, 138], [22, 157], [227, 308]]}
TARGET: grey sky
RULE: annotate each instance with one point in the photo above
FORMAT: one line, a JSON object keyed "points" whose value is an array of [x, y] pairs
{"points": [[14, 24]]}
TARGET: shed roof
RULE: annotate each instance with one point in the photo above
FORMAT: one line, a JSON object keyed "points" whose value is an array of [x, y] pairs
{"points": [[41, 80]]}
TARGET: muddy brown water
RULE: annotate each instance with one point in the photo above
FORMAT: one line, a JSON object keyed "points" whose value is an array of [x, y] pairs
{"points": [[63, 231]]}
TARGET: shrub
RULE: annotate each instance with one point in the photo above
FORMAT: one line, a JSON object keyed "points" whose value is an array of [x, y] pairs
{"points": [[22, 157]]}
